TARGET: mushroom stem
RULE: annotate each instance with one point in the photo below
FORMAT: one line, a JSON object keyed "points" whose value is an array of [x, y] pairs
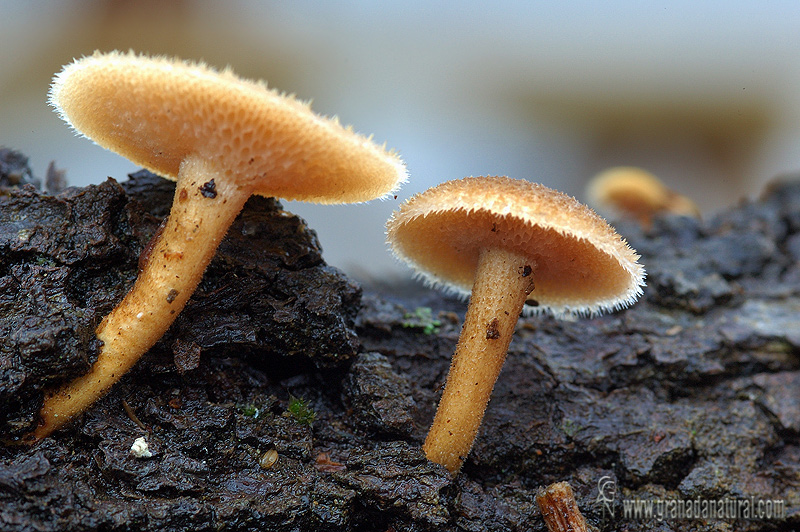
{"points": [[503, 280], [202, 211]]}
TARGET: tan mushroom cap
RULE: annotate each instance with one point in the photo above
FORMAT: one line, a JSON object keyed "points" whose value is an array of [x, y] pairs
{"points": [[157, 111], [582, 266], [636, 192], [628, 187]]}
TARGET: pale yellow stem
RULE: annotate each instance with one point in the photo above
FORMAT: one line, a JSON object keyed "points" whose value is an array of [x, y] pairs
{"points": [[201, 213], [503, 281]]}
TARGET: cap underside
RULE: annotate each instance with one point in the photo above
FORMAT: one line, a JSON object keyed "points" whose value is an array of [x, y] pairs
{"points": [[582, 268]]}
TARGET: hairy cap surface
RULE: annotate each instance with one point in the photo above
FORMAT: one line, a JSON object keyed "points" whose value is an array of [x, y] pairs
{"points": [[157, 111], [582, 265]]}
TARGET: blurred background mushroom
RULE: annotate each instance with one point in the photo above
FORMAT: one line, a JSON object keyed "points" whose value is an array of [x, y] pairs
{"points": [[703, 95], [631, 192]]}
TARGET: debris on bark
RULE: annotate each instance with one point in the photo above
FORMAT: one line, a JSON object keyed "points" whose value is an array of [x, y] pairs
{"points": [[559, 509], [14, 170]]}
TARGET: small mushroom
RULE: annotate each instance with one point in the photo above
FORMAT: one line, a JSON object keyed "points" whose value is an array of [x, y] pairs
{"points": [[223, 139], [637, 194], [505, 240]]}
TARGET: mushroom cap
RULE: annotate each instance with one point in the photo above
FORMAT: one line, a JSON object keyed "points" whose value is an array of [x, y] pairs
{"points": [[636, 192], [157, 111], [628, 188], [582, 266]]}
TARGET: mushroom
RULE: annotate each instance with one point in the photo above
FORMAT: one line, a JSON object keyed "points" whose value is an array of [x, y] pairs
{"points": [[222, 139], [638, 194], [507, 241]]}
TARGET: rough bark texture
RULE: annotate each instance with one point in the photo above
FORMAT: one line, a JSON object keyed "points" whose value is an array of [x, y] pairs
{"points": [[68, 259], [690, 394]]}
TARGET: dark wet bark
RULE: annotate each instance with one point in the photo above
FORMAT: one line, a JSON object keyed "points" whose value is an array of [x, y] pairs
{"points": [[690, 394]]}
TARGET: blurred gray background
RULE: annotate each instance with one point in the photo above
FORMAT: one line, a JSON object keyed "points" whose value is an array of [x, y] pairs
{"points": [[706, 95]]}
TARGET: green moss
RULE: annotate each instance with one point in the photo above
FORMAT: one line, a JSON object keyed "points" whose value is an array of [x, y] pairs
{"points": [[422, 318], [250, 411], [301, 411], [45, 261], [570, 428]]}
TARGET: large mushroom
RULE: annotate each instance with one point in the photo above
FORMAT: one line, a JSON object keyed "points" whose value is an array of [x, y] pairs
{"points": [[506, 241], [223, 139]]}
